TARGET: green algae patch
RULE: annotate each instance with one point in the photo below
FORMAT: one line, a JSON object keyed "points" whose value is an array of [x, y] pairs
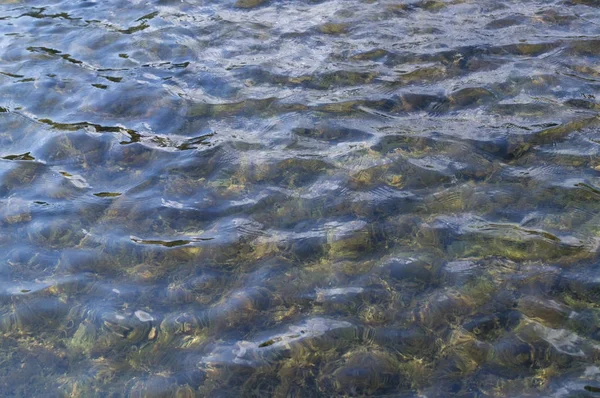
{"points": [[108, 194]]}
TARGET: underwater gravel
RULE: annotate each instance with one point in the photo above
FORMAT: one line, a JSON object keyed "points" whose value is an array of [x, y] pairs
{"points": [[299, 198]]}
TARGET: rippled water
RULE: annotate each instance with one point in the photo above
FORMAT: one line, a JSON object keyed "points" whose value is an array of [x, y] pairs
{"points": [[299, 198]]}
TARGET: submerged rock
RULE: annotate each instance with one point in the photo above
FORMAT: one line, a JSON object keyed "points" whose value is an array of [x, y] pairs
{"points": [[249, 3], [361, 372]]}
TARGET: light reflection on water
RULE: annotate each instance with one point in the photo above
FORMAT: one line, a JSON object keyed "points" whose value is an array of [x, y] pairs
{"points": [[299, 198]]}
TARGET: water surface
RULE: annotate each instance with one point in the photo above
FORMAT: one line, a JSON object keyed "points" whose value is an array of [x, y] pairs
{"points": [[299, 198]]}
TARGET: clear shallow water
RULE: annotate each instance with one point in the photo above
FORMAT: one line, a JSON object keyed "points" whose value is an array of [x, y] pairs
{"points": [[299, 198]]}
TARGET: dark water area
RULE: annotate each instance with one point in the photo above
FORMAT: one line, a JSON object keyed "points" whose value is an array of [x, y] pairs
{"points": [[297, 198]]}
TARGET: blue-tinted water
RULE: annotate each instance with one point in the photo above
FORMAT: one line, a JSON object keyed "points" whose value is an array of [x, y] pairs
{"points": [[299, 198]]}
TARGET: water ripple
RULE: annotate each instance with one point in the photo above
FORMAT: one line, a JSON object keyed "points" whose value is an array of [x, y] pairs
{"points": [[299, 198]]}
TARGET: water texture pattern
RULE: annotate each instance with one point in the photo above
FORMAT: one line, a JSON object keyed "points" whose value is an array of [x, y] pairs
{"points": [[298, 198]]}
